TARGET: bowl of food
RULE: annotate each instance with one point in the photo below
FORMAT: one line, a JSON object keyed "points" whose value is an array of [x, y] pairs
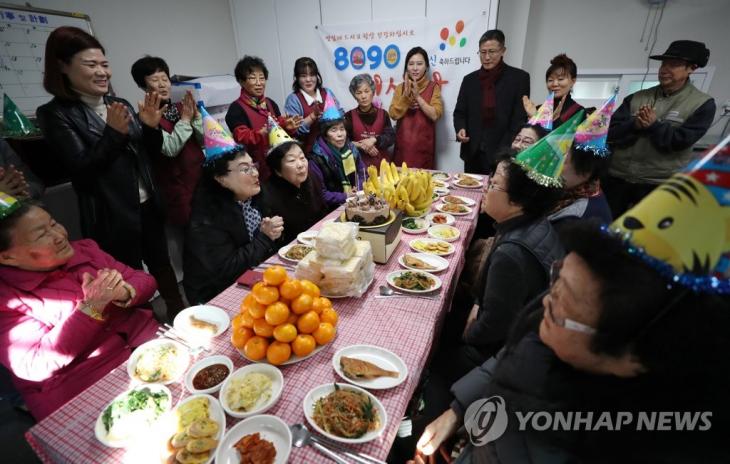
{"points": [[345, 413], [440, 175], [413, 225], [432, 245], [265, 436], [459, 200], [444, 232], [208, 374], [250, 390], [194, 430], [454, 209], [294, 252], [440, 218], [413, 281], [158, 361]]}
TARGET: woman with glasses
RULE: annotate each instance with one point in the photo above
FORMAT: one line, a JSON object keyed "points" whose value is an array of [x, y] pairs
{"points": [[528, 135], [247, 117], [227, 232]]}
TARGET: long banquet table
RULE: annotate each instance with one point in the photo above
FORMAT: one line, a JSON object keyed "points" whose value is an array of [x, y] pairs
{"points": [[405, 326]]}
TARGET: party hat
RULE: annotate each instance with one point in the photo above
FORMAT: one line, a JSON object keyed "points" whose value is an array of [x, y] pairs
{"points": [[591, 134], [277, 135], [331, 112], [544, 115], [218, 141], [8, 204], [14, 121], [544, 160], [682, 228]]}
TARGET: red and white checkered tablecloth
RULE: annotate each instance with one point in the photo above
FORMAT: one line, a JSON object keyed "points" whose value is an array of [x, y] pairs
{"points": [[405, 326]]}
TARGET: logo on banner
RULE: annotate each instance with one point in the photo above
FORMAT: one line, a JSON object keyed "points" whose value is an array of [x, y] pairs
{"points": [[451, 39]]}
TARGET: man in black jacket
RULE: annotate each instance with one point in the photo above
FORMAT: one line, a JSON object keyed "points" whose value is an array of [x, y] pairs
{"points": [[489, 109]]}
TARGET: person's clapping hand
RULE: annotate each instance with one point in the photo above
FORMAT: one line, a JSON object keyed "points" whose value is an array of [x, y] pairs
{"points": [[118, 117], [530, 107], [292, 123], [189, 109], [150, 111], [644, 117], [13, 182], [101, 290], [272, 227]]}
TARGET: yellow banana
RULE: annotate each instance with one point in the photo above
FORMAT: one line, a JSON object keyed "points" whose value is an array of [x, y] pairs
{"points": [[403, 169], [410, 210], [394, 172]]}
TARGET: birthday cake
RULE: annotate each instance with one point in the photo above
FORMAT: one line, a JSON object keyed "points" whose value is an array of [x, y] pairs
{"points": [[367, 210]]}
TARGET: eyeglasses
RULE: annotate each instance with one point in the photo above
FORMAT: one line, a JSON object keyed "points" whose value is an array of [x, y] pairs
{"points": [[525, 140], [247, 169], [492, 186], [491, 53], [256, 79], [566, 323]]}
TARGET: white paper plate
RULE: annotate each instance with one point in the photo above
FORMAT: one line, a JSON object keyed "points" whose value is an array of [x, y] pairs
{"points": [[438, 262], [421, 222], [169, 425], [414, 246], [283, 250], [480, 184], [439, 231], [182, 360], [101, 433], [449, 218], [270, 428], [440, 175], [206, 313], [467, 210], [441, 191], [466, 200], [307, 237], [324, 390], [439, 183], [277, 385], [381, 357], [390, 278], [205, 362]]}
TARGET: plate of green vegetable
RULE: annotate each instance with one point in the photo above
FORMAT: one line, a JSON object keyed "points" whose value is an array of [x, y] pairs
{"points": [[414, 225]]}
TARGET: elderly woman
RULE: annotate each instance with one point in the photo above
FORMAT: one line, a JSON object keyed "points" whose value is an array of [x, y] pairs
{"points": [[528, 135], [416, 105], [291, 192], [70, 312], [247, 117], [227, 234], [307, 100], [105, 146], [369, 127], [177, 167], [560, 78]]}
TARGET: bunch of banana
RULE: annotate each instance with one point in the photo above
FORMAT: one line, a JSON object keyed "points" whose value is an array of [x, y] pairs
{"points": [[408, 190]]}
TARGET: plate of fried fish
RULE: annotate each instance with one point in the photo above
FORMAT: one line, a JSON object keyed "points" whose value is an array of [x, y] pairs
{"points": [[370, 367], [423, 262]]}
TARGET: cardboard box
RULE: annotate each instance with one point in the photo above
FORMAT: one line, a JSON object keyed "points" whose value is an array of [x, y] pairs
{"points": [[384, 239]]}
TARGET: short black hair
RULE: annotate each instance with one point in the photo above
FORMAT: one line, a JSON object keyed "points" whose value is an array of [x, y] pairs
{"points": [[305, 65], [539, 130], [414, 51], [273, 159], [324, 126], [562, 62], [492, 34], [147, 65], [8, 223], [536, 200], [247, 65], [585, 163]]}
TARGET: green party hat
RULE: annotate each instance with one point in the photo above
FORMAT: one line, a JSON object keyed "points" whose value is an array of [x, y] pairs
{"points": [[14, 121], [544, 160], [8, 204]]}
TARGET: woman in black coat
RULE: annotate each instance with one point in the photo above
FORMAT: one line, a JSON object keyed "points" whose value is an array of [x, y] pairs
{"points": [[227, 232], [104, 145], [291, 192]]}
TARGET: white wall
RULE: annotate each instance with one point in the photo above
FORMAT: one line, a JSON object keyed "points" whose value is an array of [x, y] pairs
{"points": [[194, 37], [605, 34]]}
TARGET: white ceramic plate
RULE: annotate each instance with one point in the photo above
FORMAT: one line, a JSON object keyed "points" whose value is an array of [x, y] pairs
{"points": [[307, 237], [420, 222], [464, 209], [441, 191], [381, 357], [180, 364], [440, 175], [294, 358], [215, 412], [416, 245], [203, 363], [457, 181], [206, 313], [283, 250], [449, 218], [270, 428], [437, 262], [439, 183], [444, 232], [277, 385], [466, 201], [324, 390], [390, 278], [101, 433]]}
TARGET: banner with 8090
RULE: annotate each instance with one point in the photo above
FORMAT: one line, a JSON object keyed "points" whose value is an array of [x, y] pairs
{"points": [[357, 58]]}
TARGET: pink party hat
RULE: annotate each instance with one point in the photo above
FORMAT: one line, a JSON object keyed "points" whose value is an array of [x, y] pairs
{"points": [[544, 115], [218, 141], [592, 133]]}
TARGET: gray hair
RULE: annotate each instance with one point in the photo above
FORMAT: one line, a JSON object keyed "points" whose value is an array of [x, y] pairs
{"points": [[361, 79]]}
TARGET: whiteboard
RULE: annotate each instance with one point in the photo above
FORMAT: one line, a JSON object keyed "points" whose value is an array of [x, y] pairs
{"points": [[23, 34]]}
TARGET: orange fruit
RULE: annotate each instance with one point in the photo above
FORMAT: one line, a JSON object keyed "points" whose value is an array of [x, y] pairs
{"points": [[276, 313], [275, 275], [246, 319], [302, 303], [290, 289], [320, 303], [254, 308], [255, 348], [241, 336], [292, 319], [285, 332], [266, 295], [329, 315], [310, 288], [324, 333], [303, 345], [278, 353], [263, 328], [237, 322], [308, 322]]}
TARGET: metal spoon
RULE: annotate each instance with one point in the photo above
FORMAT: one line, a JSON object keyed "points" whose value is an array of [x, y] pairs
{"points": [[387, 291], [301, 437]]}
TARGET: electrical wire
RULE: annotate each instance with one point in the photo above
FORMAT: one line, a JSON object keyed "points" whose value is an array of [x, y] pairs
{"points": [[651, 50]]}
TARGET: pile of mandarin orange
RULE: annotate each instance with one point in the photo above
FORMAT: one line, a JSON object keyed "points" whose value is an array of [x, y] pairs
{"points": [[282, 317]]}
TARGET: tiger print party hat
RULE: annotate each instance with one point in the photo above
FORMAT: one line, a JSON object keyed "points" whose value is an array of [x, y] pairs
{"points": [[682, 228], [277, 135]]}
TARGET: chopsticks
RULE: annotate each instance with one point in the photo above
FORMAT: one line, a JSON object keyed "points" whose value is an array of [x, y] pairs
{"points": [[168, 331]]}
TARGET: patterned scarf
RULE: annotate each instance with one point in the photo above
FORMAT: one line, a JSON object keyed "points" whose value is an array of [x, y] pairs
{"points": [[585, 190], [334, 159], [258, 104], [172, 114], [251, 216]]}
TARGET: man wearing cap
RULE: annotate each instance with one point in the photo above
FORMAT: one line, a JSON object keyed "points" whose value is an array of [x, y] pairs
{"points": [[653, 130]]}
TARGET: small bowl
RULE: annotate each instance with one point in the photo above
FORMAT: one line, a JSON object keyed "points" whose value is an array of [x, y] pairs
{"points": [[277, 385], [420, 222], [437, 230], [203, 363]]}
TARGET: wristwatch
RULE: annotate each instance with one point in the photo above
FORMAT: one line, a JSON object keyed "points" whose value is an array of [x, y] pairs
{"points": [[90, 310]]}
